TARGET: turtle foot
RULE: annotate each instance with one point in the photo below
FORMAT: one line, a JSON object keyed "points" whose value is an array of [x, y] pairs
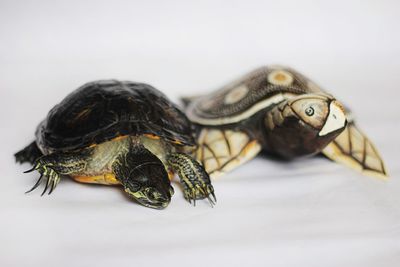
{"points": [[50, 175], [197, 191], [195, 180]]}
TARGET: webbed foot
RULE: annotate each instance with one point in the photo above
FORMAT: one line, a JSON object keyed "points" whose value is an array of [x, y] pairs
{"points": [[195, 180]]}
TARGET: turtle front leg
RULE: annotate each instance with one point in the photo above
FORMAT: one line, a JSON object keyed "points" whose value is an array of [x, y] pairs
{"points": [[53, 166], [195, 180]]}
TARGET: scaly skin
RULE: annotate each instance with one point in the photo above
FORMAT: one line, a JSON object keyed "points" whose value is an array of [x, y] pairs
{"points": [[54, 165], [139, 170], [195, 180]]}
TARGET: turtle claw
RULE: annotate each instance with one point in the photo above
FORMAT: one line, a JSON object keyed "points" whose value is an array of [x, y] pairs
{"points": [[194, 178], [31, 170], [197, 191], [53, 178], [53, 185], [212, 202], [45, 188], [214, 197], [36, 184]]}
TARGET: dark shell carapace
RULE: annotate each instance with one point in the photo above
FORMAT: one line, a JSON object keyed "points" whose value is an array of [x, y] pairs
{"points": [[103, 110]]}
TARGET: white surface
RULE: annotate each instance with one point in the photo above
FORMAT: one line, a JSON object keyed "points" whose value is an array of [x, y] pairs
{"points": [[304, 213]]}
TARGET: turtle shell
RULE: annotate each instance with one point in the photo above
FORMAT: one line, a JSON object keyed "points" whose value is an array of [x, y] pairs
{"points": [[260, 89], [102, 110]]}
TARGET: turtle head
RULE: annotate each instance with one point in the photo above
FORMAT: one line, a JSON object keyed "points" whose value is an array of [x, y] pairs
{"points": [[303, 125], [319, 111], [151, 196], [145, 179]]}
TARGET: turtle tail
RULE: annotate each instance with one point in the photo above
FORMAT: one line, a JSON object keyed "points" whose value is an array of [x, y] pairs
{"points": [[29, 154]]}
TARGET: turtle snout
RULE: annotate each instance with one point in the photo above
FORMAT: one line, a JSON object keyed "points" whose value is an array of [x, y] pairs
{"points": [[156, 198], [335, 120], [156, 195]]}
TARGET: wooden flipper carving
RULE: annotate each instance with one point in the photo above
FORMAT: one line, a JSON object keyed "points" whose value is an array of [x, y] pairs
{"points": [[353, 149]]}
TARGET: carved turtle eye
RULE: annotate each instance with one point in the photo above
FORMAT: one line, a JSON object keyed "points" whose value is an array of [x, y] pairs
{"points": [[310, 111]]}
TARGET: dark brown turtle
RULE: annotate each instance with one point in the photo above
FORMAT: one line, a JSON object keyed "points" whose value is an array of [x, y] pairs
{"points": [[277, 110], [113, 132]]}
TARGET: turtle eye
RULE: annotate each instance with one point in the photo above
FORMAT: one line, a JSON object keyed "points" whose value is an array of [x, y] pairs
{"points": [[134, 186], [310, 111]]}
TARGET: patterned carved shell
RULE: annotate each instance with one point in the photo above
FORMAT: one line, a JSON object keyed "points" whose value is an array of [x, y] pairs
{"points": [[258, 90], [103, 110]]}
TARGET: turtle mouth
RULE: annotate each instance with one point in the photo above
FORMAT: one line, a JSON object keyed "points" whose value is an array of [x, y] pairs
{"points": [[159, 205], [150, 198], [336, 119]]}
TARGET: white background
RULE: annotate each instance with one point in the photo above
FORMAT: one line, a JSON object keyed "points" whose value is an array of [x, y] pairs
{"points": [[310, 212]]}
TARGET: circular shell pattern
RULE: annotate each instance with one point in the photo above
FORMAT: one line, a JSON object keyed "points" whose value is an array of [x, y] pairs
{"points": [[262, 88], [103, 110]]}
